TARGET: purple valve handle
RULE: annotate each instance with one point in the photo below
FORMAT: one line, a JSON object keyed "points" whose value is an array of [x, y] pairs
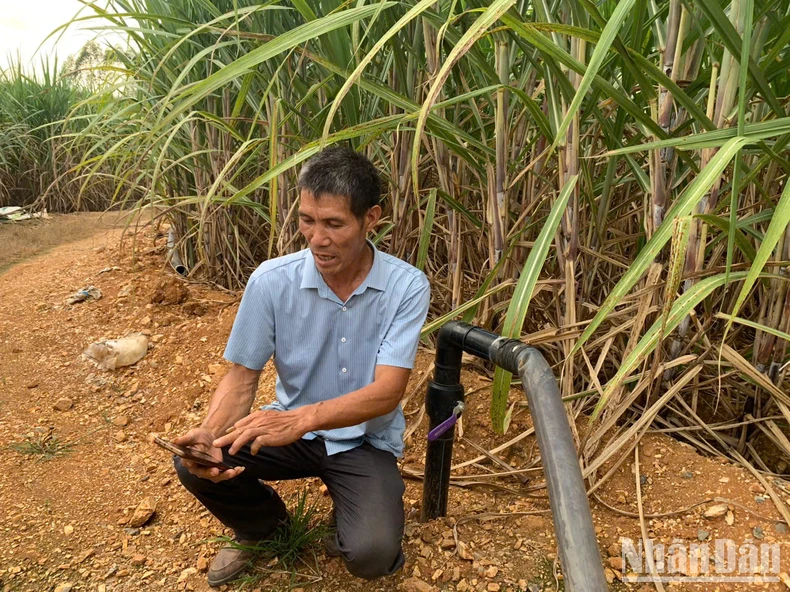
{"points": [[434, 434]]}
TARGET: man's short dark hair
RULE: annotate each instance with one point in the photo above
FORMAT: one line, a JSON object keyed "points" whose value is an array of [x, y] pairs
{"points": [[342, 171]]}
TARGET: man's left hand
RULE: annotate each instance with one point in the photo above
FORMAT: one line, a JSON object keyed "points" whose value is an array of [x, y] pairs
{"points": [[265, 427]]}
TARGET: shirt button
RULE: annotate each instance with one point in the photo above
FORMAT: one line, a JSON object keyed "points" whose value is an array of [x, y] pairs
{"points": [[344, 309], [344, 370], [343, 340]]}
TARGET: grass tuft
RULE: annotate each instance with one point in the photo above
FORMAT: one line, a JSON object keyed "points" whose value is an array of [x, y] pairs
{"points": [[291, 552], [44, 446]]}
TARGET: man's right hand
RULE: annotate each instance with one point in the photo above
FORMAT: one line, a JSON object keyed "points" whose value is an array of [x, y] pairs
{"points": [[201, 439]]}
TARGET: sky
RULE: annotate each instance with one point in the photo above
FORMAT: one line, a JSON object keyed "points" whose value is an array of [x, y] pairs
{"points": [[24, 24]]}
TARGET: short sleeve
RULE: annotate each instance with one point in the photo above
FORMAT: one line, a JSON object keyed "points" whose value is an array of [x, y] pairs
{"points": [[399, 347], [252, 341]]}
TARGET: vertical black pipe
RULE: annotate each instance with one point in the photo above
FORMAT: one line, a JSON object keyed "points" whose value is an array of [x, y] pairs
{"points": [[444, 392]]}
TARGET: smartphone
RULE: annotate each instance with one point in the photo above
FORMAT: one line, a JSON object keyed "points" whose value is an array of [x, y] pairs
{"points": [[196, 456]]}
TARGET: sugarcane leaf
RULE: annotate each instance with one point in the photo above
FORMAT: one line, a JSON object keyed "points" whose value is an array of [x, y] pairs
{"points": [[413, 13], [427, 230], [682, 207], [270, 49], [652, 337], [776, 229], [489, 16], [519, 303], [608, 36]]}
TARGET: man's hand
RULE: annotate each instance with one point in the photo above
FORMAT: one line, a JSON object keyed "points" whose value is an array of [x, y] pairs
{"points": [[264, 428], [201, 439]]}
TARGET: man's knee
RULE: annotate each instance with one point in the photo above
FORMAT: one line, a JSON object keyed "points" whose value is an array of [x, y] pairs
{"points": [[372, 558]]}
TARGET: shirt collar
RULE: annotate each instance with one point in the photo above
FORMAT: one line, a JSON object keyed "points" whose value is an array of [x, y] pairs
{"points": [[376, 278]]}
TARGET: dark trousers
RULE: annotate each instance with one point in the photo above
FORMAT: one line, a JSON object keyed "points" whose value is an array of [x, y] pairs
{"points": [[364, 483]]}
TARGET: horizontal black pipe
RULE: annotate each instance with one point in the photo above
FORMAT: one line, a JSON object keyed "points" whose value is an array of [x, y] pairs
{"points": [[578, 546]]}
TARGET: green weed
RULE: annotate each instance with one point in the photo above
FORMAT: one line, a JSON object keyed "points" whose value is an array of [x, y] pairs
{"points": [[44, 446], [291, 554]]}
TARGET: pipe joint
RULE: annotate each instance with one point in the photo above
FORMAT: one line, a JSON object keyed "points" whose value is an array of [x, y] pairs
{"points": [[505, 353], [440, 401]]}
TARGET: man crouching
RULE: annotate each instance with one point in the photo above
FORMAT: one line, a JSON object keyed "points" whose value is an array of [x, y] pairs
{"points": [[342, 321]]}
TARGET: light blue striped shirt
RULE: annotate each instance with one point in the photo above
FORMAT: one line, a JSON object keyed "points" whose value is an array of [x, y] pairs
{"points": [[324, 348]]}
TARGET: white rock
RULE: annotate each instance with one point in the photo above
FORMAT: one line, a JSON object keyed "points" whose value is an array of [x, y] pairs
{"points": [[115, 353], [715, 511]]}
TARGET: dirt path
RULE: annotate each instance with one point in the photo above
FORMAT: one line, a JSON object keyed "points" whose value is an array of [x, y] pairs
{"points": [[22, 240], [66, 520]]}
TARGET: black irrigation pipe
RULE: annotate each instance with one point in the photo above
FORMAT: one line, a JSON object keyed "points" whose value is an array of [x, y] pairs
{"points": [[578, 546]]}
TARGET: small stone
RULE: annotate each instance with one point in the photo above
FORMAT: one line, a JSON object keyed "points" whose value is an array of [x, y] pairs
{"points": [[63, 404], [121, 421], [202, 563], [702, 535], [456, 573], [68, 529], [101, 588], [186, 573], [643, 479], [716, 511], [65, 587], [447, 544], [143, 513], [415, 585], [758, 533], [463, 552], [688, 475], [323, 489], [120, 436], [616, 563], [492, 571], [759, 499], [756, 488], [609, 575], [621, 498], [462, 586], [85, 554], [138, 560], [110, 572], [493, 587], [614, 550], [729, 518], [780, 527], [724, 480]]}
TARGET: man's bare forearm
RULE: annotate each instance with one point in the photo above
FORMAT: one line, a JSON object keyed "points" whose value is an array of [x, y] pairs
{"points": [[374, 400], [232, 399], [280, 428]]}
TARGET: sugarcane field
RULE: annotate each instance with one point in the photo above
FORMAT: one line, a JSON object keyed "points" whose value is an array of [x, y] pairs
{"points": [[479, 296]]}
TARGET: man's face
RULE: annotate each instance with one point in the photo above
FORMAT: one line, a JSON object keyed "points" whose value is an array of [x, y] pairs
{"points": [[335, 236]]}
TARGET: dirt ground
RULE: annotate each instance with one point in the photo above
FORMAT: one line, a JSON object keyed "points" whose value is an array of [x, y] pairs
{"points": [[66, 521], [22, 241]]}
